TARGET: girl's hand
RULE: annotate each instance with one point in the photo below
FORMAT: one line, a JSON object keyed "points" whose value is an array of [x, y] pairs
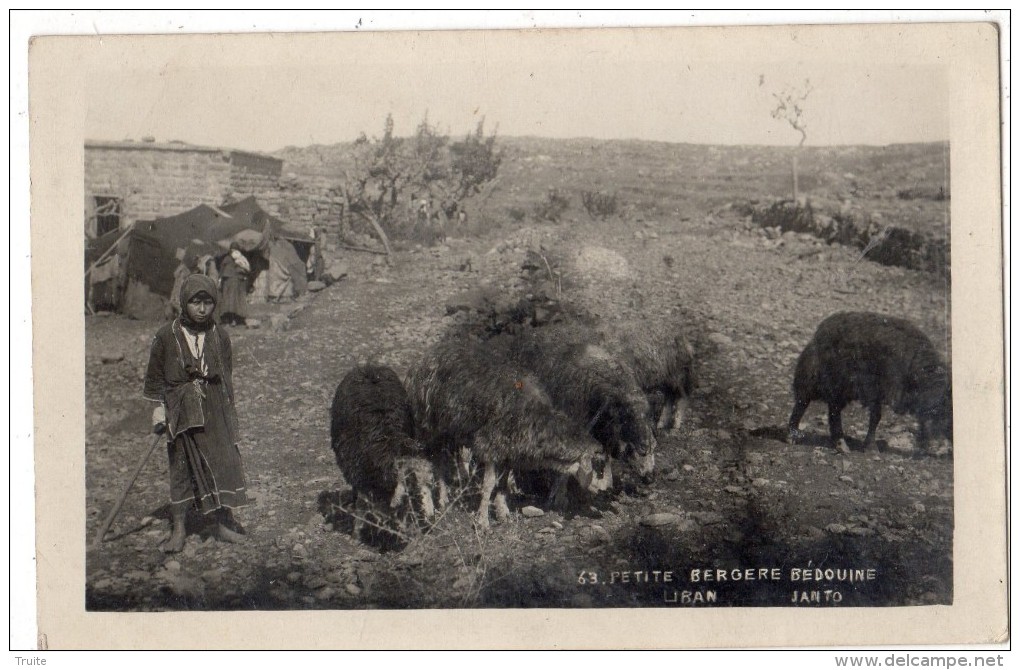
{"points": [[159, 420]]}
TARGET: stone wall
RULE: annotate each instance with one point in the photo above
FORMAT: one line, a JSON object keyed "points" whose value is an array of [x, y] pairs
{"points": [[307, 201], [253, 174], [152, 181]]}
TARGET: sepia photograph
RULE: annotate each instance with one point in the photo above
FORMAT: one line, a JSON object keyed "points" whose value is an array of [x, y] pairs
{"points": [[679, 324]]}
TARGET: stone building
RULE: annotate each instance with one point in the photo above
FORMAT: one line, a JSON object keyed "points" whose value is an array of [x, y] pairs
{"points": [[130, 181]]}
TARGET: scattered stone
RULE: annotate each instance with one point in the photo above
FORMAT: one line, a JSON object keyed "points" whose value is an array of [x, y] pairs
{"points": [[919, 508], [172, 565], [315, 286], [836, 528], [846, 478], [279, 322], [687, 525], [531, 511], [325, 593], [688, 467], [353, 589], [720, 339], [557, 525], [760, 482], [187, 587], [253, 324], [707, 518], [313, 582], [299, 550], [659, 519], [735, 490], [112, 358], [212, 576], [137, 574], [599, 533], [673, 475]]}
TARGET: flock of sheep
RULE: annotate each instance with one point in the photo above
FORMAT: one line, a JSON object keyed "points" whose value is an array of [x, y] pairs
{"points": [[576, 399], [566, 398]]}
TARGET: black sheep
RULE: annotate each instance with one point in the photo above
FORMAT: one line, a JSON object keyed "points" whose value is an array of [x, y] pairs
{"points": [[371, 434], [877, 360]]}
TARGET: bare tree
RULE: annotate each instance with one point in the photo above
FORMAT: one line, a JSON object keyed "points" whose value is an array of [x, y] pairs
{"points": [[790, 108], [392, 175]]}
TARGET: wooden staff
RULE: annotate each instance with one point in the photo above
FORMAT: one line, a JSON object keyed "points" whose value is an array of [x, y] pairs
{"points": [[123, 496], [108, 250]]}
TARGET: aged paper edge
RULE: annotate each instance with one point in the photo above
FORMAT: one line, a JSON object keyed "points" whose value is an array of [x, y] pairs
{"points": [[969, 51]]}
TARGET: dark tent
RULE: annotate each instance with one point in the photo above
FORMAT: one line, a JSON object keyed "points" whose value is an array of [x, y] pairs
{"points": [[157, 247], [154, 249]]}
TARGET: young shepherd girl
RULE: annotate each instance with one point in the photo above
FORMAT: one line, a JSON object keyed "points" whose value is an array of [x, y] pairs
{"points": [[189, 374]]}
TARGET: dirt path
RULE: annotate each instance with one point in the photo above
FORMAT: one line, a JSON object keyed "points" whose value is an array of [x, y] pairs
{"points": [[724, 500]]}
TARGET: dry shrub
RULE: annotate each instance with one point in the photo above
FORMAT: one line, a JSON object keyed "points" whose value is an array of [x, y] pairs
{"points": [[600, 205]]}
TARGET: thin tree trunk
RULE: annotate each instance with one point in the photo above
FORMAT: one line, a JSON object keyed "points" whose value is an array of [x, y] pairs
{"points": [[370, 217], [796, 189]]}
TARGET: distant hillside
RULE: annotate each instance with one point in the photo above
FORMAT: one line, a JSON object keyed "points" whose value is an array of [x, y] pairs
{"points": [[906, 185], [908, 165]]}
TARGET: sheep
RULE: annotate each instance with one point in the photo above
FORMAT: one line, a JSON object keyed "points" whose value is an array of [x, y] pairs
{"points": [[463, 396], [589, 384], [662, 361], [876, 360], [371, 434]]}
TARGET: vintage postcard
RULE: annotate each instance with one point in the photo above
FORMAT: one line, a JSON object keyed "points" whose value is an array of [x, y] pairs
{"points": [[662, 337]]}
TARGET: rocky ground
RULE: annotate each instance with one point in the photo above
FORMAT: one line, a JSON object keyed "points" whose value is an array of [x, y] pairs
{"points": [[723, 499]]}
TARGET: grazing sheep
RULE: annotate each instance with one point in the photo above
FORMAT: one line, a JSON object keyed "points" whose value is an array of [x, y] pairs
{"points": [[465, 397], [589, 384], [663, 365], [876, 360], [371, 434]]}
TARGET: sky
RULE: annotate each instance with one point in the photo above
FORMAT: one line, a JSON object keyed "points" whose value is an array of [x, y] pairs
{"points": [[706, 89]]}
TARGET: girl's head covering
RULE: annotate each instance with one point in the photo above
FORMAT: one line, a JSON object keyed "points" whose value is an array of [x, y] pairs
{"points": [[192, 286]]}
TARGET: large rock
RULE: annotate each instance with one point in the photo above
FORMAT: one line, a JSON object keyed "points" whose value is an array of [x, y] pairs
{"points": [[336, 271]]}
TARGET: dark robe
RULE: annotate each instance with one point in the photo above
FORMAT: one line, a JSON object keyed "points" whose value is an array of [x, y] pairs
{"points": [[234, 288], [205, 464]]}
